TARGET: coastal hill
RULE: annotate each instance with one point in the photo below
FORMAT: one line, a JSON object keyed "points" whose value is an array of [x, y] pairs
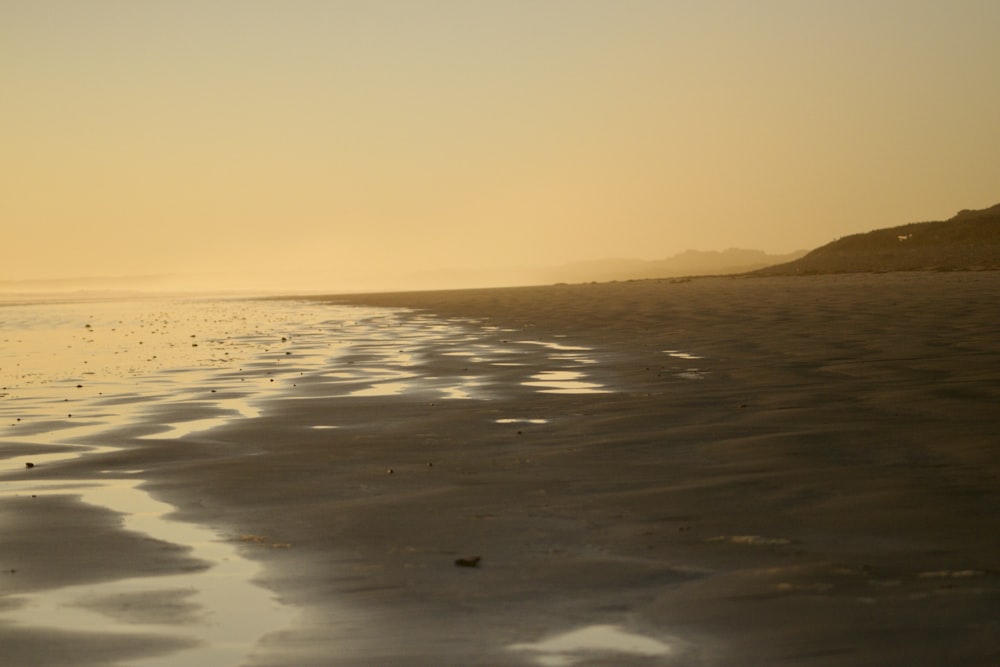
{"points": [[970, 241], [687, 263]]}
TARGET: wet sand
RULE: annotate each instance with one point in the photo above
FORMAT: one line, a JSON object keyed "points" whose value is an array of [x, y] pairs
{"points": [[781, 471]]}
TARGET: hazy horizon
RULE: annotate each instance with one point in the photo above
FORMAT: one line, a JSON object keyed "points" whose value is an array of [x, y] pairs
{"points": [[688, 263], [331, 144]]}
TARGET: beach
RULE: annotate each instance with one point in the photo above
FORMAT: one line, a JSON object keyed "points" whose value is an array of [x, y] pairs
{"points": [[712, 471]]}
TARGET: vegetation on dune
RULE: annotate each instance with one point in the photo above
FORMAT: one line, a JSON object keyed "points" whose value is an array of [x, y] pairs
{"points": [[970, 241]]}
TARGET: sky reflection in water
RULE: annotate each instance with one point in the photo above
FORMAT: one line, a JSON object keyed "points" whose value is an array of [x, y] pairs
{"points": [[75, 374]]}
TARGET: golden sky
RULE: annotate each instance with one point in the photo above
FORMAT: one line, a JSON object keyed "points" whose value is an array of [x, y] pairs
{"points": [[341, 139]]}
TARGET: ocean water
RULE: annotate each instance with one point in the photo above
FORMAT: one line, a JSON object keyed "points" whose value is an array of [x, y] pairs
{"points": [[82, 377]]}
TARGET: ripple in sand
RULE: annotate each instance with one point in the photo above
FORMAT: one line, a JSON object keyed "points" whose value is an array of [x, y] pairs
{"points": [[564, 382], [382, 389], [586, 644], [677, 354], [555, 346], [751, 540], [513, 420]]}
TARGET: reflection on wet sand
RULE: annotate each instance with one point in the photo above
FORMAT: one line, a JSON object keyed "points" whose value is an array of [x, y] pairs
{"points": [[609, 642], [54, 413], [218, 608], [564, 382]]}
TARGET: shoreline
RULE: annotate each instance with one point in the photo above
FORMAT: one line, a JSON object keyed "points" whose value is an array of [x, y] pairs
{"points": [[807, 499], [794, 471]]}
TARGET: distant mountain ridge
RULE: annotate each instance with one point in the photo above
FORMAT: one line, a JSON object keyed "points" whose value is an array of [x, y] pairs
{"points": [[969, 241], [687, 263]]}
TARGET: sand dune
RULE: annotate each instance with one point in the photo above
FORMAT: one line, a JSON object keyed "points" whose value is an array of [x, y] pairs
{"points": [[969, 241]]}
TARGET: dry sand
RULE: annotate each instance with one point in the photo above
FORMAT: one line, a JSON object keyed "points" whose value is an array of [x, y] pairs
{"points": [[817, 487]]}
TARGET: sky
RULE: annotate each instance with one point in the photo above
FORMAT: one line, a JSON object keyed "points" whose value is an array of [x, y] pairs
{"points": [[347, 144]]}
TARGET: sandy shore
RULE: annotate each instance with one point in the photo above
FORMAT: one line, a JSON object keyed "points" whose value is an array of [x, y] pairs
{"points": [[783, 471]]}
